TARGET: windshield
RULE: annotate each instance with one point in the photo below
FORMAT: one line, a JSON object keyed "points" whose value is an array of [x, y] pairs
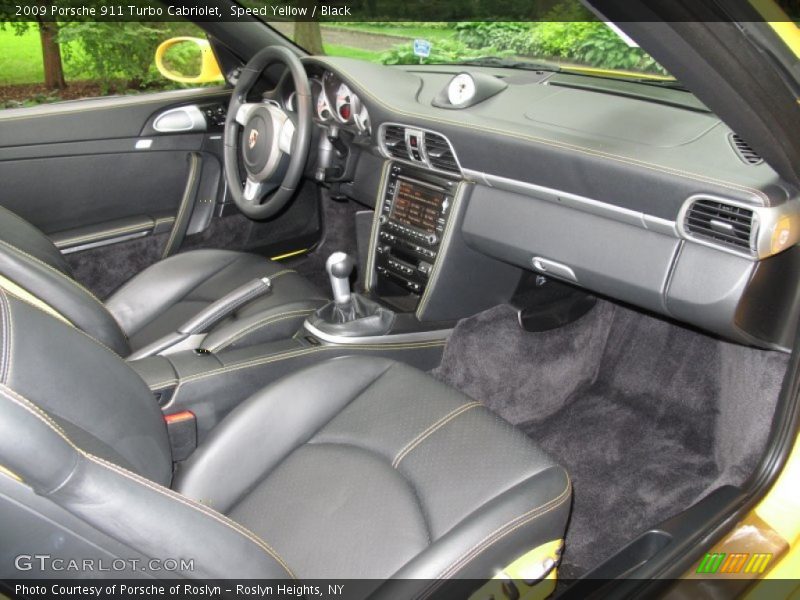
{"points": [[588, 46]]}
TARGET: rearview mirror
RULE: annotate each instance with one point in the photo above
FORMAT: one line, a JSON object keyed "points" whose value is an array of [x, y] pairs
{"points": [[187, 60]]}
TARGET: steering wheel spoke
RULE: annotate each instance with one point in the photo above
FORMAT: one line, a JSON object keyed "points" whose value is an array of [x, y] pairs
{"points": [[244, 112], [286, 136]]}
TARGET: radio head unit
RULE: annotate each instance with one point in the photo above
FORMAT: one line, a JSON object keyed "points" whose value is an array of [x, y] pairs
{"points": [[413, 216]]}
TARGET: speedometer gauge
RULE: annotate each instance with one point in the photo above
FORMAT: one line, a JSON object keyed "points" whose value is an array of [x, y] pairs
{"points": [[345, 104]]}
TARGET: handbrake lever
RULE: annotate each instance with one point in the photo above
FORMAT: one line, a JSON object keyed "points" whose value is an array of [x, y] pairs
{"points": [[207, 318]]}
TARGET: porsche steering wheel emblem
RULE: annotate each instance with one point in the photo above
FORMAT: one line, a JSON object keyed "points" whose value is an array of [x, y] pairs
{"points": [[251, 139]]}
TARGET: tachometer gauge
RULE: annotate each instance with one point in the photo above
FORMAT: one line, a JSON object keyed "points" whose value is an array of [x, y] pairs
{"points": [[345, 104], [461, 89]]}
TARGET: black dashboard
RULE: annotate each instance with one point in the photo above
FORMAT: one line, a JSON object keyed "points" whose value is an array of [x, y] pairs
{"points": [[631, 191]]}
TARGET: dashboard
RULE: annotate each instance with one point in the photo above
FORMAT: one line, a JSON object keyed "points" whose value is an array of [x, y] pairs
{"points": [[634, 192]]}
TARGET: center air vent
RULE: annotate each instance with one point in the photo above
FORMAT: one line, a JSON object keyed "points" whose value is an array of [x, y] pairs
{"points": [[724, 223], [744, 151], [394, 139], [440, 154], [420, 147]]}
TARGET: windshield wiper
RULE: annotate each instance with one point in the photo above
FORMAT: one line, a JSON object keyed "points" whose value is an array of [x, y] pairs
{"points": [[507, 63]]}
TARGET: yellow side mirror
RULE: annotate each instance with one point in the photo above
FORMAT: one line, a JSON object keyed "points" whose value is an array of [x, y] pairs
{"points": [[187, 60]]}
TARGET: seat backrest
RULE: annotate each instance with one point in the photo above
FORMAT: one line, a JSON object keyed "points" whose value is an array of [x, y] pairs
{"points": [[82, 430], [29, 259]]}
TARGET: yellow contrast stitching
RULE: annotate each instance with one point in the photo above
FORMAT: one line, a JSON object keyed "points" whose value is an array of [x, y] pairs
{"points": [[293, 354], [67, 323], [266, 321], [53, 270], [219, 517], [554, 143], [373, 236], [137, 100], [445, 245], [281, 273], [499, 534], [193, 169], [431, 430], [7, 337], [37, 412]]}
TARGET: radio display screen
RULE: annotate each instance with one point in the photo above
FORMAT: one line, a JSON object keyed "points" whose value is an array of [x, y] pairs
{"points": [[417, 205]]}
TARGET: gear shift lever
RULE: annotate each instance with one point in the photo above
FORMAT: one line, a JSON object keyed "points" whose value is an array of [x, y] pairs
{"points": [[339, 266], [350, 314]]}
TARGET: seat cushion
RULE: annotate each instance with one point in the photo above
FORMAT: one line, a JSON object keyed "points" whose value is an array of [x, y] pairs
{"points": [[162, 297], [363, 467]]}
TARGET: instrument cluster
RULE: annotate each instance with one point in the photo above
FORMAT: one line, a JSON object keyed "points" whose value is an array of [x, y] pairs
{"points": [[336, 103]]}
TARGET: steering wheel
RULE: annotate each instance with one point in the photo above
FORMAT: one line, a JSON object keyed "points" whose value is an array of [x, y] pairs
{"points": [[274, 144]]}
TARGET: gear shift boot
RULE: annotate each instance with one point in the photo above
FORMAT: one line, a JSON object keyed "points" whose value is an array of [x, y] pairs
{"points": [[360, 317], [349, 315]]}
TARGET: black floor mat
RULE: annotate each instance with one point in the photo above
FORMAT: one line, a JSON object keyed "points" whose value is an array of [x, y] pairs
{"points": [[646, 416], [340, 236]]}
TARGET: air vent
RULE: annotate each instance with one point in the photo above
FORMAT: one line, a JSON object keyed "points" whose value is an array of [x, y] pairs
{"points": [[721, 222], [744, 151], [439, 152], [394, 139]]}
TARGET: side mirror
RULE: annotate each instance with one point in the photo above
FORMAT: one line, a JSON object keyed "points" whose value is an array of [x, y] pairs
{"points": [[187, 60]]}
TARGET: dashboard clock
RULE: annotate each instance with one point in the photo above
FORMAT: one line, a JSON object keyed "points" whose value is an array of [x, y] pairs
{"points": [[461, 89], [468, 89]]}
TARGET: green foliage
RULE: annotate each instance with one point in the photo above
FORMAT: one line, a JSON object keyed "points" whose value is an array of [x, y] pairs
{"points": [[118, 55], [184, 58], [511, 36], [584, 42], [442, 51]]}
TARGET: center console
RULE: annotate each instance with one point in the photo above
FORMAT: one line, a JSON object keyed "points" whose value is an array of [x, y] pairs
{"points": [[413, 216]]}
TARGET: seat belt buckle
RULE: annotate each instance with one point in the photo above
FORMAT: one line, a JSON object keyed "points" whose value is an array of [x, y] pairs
{"points": [[182, 431]]}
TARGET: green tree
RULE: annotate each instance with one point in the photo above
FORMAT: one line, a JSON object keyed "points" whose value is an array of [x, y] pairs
{"points": [[48, 34]]}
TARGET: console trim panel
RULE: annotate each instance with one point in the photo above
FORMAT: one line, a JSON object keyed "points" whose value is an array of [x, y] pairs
{"points": [[413, 336]]}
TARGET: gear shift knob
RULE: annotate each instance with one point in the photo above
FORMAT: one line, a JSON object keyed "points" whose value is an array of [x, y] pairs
{"points": [[339, 266]]}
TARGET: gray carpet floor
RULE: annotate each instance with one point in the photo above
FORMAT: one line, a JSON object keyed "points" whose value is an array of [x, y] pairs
{"points": [[646, 416], [339, 236]]}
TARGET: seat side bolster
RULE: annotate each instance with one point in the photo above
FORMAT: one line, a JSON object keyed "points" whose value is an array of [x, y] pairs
{"points": [[64, 295], [147, 294], [530, 514], [159, 523], [264, 429]]}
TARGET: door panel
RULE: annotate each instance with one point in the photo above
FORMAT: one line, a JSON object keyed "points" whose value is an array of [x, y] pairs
{"points": [[107, 187]]}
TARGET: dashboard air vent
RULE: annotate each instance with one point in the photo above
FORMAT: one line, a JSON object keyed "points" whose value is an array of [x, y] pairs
{"points": [[721, 222], [439, 152], [744, 151], [394, 139]]}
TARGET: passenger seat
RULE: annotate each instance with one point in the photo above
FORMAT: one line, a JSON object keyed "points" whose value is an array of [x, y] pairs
{"points": [[356, 467]]}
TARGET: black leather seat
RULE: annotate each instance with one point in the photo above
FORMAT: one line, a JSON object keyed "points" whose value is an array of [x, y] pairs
{"points": [[160, 298], [354, 468]]}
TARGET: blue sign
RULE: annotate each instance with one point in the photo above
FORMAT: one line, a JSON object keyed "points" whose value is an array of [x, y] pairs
{"points": [[422, 48]]}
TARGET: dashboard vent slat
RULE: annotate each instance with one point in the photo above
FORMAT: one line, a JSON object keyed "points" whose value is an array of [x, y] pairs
{"points": [[439, 153], [394, 138], [720, 222], [744, 151]]}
